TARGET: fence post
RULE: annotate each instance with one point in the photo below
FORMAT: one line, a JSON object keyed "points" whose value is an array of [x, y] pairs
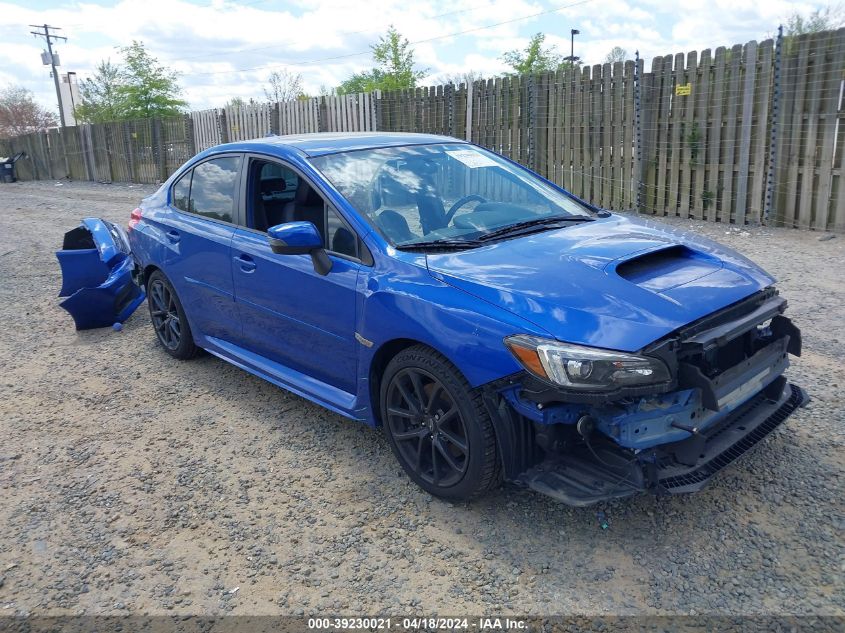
{"points": [[63, 143], [130, 153], [638, 143], [33, 158], [275, 117], [468, 134], [532, 122], [772, 167], [158, 150], [322, 114], [45, 150], [450, 105], [222, 126], [750, 54], [189, 135], [84, 138]]}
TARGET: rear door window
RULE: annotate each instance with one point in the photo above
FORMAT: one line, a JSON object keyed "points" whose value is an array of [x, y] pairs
{"points": [[214, 188]]}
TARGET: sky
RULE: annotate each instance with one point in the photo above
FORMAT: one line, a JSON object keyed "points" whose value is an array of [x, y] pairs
{"points": [[227, 48]]}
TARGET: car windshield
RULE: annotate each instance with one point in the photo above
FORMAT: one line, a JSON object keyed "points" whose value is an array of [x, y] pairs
{"points": [[450, 193]]}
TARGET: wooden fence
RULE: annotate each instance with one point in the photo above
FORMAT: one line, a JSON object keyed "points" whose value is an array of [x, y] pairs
{"points": [[746, 135], [345, 113]]}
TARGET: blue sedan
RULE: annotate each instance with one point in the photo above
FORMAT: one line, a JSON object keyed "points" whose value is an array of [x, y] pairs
{"points": [[494, 325]]}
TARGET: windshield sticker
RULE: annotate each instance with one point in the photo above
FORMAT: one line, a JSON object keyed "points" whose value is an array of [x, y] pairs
{"points": [[472, 159]]}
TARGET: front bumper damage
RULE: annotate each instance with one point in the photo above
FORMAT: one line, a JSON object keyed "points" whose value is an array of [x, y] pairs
{"points": [[729, 394]]}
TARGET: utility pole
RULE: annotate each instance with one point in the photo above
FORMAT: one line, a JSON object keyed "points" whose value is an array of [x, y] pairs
{"points": [[49, 37], [572, 58]]}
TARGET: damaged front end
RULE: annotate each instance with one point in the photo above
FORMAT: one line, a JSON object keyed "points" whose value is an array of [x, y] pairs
{"points": [[722, 392], [97, 275]]}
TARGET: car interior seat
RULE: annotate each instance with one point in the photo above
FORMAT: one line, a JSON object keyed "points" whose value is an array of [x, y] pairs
{"points": [[395, 226], [306, 206], [259, 211], [343, 242], [412, 183]]}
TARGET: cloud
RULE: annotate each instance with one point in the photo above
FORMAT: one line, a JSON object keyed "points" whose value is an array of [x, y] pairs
{"points": [[225, 48]]}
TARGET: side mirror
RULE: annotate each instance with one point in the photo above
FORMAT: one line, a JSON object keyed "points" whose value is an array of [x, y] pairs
{"points": [[300, 238]]}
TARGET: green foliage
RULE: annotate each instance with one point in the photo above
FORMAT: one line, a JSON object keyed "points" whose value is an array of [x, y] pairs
{"points": [[361, 82], [101, 100], [394, 67], [824, 19], [693, 139], [534, 58], [707, 198], [149, 89], [139, 88]]}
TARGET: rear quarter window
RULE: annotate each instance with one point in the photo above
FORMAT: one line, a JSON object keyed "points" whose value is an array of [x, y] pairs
{"points": [[181, 193], [213, 188]]}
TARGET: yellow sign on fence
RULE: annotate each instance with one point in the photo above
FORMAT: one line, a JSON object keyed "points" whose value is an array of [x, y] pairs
{"points": [[683, 90]]}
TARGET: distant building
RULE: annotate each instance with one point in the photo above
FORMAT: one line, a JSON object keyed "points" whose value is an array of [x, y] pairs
{"points": [[70, 96]]}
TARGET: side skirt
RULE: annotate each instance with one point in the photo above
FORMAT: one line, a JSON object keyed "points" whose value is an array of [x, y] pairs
{"points": [[316, 391]]}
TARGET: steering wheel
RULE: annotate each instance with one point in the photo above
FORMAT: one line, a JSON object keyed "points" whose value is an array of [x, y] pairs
{"points": [[461, 202]]}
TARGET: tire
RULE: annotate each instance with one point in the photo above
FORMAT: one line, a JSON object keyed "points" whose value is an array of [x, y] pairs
{"points": [[168, 318], [437, 426]]}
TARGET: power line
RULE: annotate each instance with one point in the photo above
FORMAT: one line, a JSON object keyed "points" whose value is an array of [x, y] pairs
{"points": [[422, 41], [273, 46], [49, 38]]}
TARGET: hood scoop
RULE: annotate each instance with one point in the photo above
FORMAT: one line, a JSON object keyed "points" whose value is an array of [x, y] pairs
{"points": [[666, 268]]}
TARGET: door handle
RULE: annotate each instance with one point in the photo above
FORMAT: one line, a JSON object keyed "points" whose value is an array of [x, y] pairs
{"points": [[246, 262], [173, 236]]}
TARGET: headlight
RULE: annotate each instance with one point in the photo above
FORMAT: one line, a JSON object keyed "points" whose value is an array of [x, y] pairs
{"points": [[585, 368]]}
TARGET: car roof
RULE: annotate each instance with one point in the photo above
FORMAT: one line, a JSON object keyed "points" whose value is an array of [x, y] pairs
{"points": [[321, 143]]}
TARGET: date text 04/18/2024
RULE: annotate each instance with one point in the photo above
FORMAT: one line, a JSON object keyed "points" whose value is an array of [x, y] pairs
{"points": [[416, 623]]}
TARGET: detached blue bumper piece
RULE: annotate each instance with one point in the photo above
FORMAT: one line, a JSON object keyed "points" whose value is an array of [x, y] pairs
{"points": [[97, 278]]}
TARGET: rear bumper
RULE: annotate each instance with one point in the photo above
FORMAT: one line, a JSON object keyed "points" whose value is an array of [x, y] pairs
{"points": [[97, 275], [681, 467]]}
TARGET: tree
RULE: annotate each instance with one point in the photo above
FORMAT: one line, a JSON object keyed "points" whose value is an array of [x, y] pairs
{"points": [[616, 54], [394, 67], [468, 77], [20, 114], [534, 59], [824, 19], [101, 97], [149, 89], [283, 85], [138, 88]]}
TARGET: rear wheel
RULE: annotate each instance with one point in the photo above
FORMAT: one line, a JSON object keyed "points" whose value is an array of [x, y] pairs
{"points": [[168, 317], [437, 426]]}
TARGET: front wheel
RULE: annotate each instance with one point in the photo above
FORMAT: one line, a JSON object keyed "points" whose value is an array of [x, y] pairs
{"points": [[437, 426], [168, 317]]}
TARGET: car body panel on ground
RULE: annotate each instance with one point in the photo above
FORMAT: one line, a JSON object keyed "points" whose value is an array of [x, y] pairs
{"points": [[97, 275]]}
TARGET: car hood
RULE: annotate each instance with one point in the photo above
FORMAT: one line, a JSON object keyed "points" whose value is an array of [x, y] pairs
{"points": [[617, 283]]}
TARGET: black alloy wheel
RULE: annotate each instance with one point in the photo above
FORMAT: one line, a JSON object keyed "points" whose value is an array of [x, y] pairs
{"points": [[438, 426], [168, 317], [427, 427], [164, 315]]}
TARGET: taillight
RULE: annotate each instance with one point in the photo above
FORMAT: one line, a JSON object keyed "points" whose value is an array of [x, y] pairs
{"points": [[134, 218]]}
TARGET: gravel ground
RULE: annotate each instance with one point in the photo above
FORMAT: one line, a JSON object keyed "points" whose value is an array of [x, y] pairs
{"points": [[133, 483]]}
